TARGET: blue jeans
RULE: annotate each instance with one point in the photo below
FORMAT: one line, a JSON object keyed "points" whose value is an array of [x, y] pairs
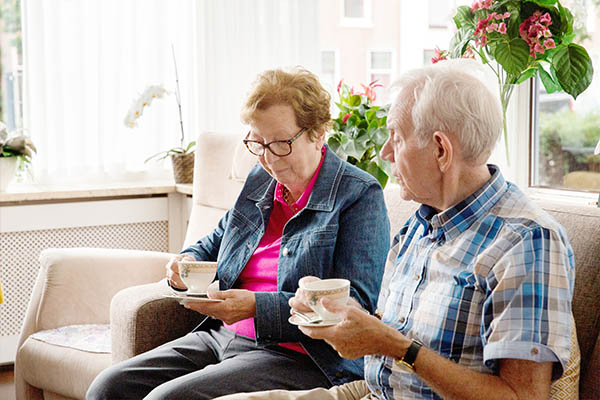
{"points": [[205, 365]]}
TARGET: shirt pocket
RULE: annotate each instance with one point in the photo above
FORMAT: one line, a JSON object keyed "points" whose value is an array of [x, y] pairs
{"points": [[319, 249]]}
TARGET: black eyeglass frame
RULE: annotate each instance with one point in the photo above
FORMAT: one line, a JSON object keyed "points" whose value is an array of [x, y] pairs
{"points": [[268, 145]]}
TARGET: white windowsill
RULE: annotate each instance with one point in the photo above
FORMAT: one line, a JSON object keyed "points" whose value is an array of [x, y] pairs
{"points": [[25, 193]]}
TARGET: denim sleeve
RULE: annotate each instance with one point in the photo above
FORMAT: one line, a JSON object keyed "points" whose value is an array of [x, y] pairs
{"points": [[361, 248], [207, 248]]}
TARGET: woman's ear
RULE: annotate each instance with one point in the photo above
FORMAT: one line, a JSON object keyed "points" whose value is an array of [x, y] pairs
{"points": [[444, 150], [320, 141]]}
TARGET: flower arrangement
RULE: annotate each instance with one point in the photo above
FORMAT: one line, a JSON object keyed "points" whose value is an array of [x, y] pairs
{"points": [[16, 144], [359, 131], [525, 38], [145, 100]]}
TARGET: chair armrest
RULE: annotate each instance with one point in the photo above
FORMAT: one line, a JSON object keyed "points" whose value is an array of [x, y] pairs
{"points": [[77, 285], [142, 319]]}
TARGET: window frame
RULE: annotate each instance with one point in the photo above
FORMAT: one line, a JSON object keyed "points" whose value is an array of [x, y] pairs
{"points": [[519, 168]]}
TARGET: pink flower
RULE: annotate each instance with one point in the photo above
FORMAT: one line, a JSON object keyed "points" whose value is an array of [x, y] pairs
{"points": [[545, 19], [469, 53], [538, 48], [340, 85], [533, 29], [439, 55], [481, 5], [502, 28], [346, 117]]}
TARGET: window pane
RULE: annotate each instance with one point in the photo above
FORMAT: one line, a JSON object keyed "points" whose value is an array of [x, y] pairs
{"points": [[381, 60], [439, 13], [567, 130], [354, 9], [11, 60], [328, 61]]}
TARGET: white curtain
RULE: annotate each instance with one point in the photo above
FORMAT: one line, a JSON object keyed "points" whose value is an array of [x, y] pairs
{"points": [[86, 61]]}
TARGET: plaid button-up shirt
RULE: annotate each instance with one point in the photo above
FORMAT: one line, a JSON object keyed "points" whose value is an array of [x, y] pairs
{"points": [[489, 278]]}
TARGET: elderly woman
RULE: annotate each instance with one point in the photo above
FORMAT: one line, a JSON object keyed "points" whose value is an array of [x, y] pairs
{"points": [[302, 211]]}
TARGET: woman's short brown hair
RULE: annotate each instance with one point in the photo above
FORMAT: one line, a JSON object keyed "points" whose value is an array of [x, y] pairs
{"points": [[298, 88]]}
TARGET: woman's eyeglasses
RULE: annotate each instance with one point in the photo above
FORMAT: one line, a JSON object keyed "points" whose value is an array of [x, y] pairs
{"points": [[280, 148]]}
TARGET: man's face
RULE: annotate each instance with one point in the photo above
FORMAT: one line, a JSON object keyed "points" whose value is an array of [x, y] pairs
{"points": [[414, 167]]}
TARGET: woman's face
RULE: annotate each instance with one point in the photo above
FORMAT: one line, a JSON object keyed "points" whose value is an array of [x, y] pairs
{"points": [[295, 170]]}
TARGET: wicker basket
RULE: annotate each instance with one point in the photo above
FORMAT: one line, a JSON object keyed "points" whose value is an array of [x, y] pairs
{"points": [[183, 167]]}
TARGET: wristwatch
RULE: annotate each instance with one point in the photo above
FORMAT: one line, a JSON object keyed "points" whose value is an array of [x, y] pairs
{"points": [[407, 363]]}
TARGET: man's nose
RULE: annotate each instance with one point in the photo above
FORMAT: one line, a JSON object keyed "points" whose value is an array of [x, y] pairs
{"points": [[387, 152]]}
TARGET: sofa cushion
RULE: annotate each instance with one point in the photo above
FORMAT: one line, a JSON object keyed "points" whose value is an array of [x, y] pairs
{"points": [[64, 371], [94, 338]]}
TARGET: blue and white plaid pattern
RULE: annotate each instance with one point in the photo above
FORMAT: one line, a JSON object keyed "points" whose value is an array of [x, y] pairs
{"points": [[489, 278]]}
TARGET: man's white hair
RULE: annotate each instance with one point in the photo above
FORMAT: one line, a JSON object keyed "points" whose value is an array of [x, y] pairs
{"points": [[455, 97]]}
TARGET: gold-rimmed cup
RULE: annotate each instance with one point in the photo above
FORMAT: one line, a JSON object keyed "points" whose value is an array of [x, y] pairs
{"points": [[336, 289], [197, 275]]}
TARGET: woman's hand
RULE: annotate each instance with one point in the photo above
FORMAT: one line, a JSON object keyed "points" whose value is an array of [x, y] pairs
{"points": [[172, 270], [238, 304]]}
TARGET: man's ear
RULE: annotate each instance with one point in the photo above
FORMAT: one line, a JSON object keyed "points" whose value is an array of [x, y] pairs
{"points": [[444, 150]]}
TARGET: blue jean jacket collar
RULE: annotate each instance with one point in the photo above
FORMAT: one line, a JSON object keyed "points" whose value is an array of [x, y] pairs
{"points": [[324, 192]]}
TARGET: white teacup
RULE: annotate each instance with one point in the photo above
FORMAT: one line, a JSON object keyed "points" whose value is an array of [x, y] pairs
{"points": [[197, 275], [334, 289]]}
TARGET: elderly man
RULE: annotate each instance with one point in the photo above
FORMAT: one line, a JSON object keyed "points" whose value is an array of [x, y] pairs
{"points": [[476, 297]]}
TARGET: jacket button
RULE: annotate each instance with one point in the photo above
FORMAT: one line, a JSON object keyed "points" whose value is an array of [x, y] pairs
{"points": [[285, 252]]}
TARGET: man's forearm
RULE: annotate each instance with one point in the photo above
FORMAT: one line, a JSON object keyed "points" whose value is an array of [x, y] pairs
{"points": [[519, 379]]}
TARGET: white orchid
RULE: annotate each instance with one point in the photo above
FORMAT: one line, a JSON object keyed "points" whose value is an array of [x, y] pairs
{"points": [[144, 100]]}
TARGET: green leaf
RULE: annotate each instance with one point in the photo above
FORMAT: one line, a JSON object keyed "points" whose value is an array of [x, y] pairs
{"points": [[550, 84], [459, 42], [566, 19], [464, 17], [354, 100], [380, 135], [543, 3], [353, 149], [529, 73], [512, 55], [189, 146], [372, 168], [574, 69]]}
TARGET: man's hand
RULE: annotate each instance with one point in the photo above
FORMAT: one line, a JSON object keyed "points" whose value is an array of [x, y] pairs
{"points": [[238, 304], [300, 300], [172, 270], [358, 333]]}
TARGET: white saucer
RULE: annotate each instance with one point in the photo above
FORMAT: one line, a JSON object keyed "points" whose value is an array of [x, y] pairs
{"points": [[296, 320], [184, 297]]}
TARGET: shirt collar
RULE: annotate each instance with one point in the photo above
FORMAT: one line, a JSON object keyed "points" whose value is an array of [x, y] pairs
{"points": [[303, 199], [458, 218]]}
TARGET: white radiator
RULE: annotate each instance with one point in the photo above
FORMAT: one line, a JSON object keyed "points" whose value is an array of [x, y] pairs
{"points": [[27, 230]]}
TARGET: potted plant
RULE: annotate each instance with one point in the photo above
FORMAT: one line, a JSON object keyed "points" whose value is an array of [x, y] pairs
{"points": [[521, 39], [359, 131], [16, 151], [182, 157]]}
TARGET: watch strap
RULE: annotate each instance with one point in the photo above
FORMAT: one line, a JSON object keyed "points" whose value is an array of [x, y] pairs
{"points": [[408, 361]]}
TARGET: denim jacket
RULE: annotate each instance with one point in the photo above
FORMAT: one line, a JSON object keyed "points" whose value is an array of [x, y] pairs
{"points": [[342, 232]]}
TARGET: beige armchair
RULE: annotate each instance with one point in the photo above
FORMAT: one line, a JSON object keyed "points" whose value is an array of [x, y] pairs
{"points": [[118, 291]]}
